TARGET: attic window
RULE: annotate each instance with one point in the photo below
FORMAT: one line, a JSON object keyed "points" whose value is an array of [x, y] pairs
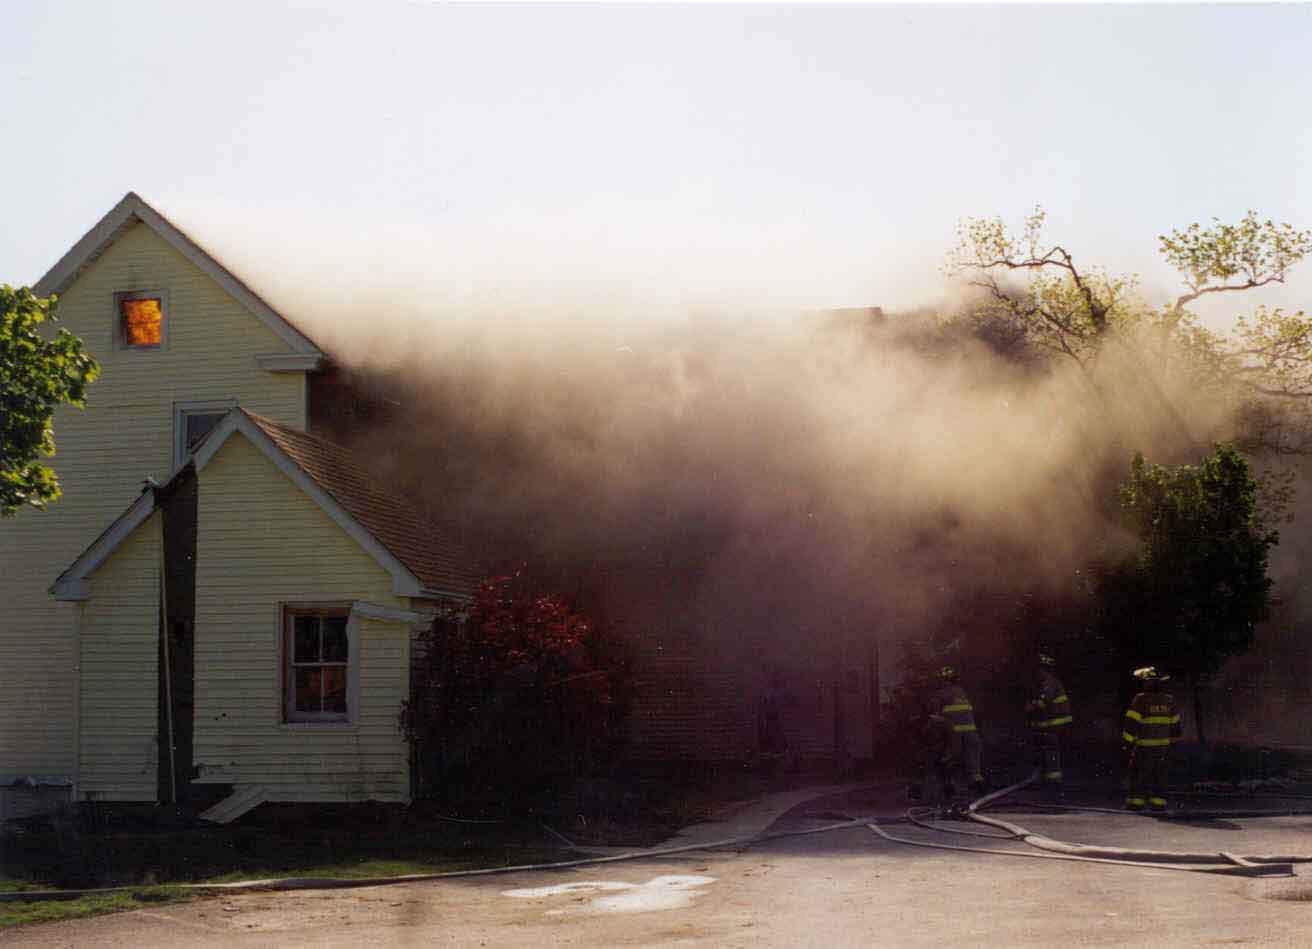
{"points": [[141, 319], [318, 653], [192, 421]]}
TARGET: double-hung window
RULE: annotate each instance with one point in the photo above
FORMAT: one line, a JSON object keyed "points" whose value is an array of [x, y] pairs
{"points": [[317, 650]]}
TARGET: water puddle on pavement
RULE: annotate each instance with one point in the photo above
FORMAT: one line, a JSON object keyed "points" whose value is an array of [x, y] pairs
{"points": [[658, 893]]}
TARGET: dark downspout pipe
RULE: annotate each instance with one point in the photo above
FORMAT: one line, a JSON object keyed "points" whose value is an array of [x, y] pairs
{"points": [[164, 639]]}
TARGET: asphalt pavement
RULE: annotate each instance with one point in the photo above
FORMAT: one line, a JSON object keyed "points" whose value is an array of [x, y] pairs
{"points": [[841, 888]]}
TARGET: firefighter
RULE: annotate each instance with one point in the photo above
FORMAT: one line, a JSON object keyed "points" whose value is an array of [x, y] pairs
{"points": [[1049, 712], [1152, 723], [951, 706], [935, 741]]}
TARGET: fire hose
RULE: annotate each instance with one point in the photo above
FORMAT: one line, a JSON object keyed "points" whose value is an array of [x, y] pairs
{"points": [[1220, 862], [1204, 862], [319, 883]]}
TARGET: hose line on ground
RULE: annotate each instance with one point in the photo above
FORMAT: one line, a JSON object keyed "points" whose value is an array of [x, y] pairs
{"points": [[920, 821], [1227, 864], [1253, 870], [319, 883], [1116, 853], [1215, 862], [1222, 863], [1179, 813]]}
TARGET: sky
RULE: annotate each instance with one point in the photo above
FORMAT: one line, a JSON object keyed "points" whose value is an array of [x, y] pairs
{"points": [[820, 156]]}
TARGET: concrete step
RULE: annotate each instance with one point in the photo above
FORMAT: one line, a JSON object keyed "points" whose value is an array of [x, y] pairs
{"points": [[244, 799]]}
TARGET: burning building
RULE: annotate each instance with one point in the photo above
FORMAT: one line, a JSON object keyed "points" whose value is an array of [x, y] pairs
{"points": [[225, 597], [761, 505]]}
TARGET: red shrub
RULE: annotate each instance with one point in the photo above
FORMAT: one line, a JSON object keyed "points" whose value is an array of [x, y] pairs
{"points": [[516, 694]]}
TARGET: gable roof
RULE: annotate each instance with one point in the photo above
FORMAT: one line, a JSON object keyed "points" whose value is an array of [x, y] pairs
{"points": [[422, 557], [131, 210], [426, 549]]}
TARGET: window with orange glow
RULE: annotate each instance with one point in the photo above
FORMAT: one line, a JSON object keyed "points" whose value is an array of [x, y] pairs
{"points": [[142, 321], [316, 662]]}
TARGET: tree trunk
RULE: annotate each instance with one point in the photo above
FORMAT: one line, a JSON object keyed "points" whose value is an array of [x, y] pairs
{"points": [[1198, 711]]}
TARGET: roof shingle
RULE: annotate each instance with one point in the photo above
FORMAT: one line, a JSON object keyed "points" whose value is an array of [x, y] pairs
{"points": [[427, 549]]}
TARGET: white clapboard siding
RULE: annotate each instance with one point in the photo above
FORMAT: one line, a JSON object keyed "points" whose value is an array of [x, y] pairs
{"points": [[263, 544], [120, 673], [124, 435]]}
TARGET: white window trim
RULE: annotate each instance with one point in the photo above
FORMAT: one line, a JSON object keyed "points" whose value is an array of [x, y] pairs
{"points": [[352, 665], [181, 410], [289, 362], [118, 343], [383, 614]]}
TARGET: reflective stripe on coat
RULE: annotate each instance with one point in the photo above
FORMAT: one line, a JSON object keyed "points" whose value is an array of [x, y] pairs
{"points": [[1152, 721], [951, 703], [1051, 707]]}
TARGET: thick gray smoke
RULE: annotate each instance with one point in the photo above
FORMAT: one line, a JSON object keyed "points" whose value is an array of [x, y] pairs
{"points": [[752, 478], [739, 475]]}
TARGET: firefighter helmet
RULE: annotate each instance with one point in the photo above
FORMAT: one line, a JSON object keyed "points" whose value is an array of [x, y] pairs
{"points": [[1147, 674], [1045, 658], [948, 673]]}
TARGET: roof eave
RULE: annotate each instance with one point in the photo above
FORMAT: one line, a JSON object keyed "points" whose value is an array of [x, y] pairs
{"points": [[432, 593], [71, 584]]}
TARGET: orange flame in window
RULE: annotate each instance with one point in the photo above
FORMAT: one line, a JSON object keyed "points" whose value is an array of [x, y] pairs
{"points": [[142, 321]]}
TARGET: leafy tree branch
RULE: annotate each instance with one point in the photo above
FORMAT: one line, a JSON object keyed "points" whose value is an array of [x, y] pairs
{"points": [[1225, 258], [38, 373]]}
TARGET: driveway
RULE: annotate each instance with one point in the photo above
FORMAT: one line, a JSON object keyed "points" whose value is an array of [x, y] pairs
{"points": [[843, 888]]}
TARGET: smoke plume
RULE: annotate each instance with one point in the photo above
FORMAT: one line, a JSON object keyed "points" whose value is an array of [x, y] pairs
{"points": [[753, 478], [736, 473]]}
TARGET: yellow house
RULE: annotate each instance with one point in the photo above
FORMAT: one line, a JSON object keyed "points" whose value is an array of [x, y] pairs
{"points": [[234, 598]]}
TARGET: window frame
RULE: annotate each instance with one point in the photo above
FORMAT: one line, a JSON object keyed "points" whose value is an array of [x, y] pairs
{"points": [[180, 412], [288, 715], [120, 342]]}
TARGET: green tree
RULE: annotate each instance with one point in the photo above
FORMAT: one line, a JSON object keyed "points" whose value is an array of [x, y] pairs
{"points": [[1061, 308], [1197, 585], [1069, 309], [38, 373]]}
